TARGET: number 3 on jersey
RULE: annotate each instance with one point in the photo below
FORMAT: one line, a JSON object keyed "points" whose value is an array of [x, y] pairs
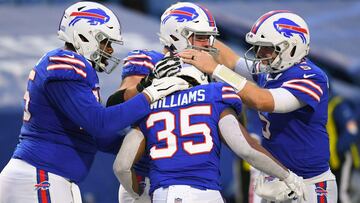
{"points": [[186, 129], [27, 114], [266, 125]]}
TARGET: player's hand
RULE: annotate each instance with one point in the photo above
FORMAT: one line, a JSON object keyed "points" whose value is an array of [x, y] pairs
{"points": [[202, 60], [296, 185], [165, 86], [167, 67], [271, 188]]}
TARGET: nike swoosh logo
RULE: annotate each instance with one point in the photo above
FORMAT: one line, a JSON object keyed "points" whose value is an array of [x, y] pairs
{"points": [[155, 85], [70, 56], [307, 76]]}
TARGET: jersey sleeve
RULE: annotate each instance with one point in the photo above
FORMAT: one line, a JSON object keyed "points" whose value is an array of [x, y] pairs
{"points": [[76, 102], [309, 89], [62, 67], [227, 98], [140, 62]]}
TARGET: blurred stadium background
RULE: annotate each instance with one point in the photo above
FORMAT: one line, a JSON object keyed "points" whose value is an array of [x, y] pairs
{"points": [[28, 30]]}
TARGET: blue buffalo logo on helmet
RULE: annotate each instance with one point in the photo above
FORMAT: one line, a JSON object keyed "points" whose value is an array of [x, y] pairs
{"points": [[93, 17], [182, 14], [288, 28]]}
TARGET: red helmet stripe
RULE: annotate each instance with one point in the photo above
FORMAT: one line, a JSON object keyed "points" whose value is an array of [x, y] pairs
{"points": [[261, 20]]}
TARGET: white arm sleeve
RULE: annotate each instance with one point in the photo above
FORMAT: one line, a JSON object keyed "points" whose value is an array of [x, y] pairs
{"points": [[241, 69], [284, 101], [125, 159], [231, 132]]}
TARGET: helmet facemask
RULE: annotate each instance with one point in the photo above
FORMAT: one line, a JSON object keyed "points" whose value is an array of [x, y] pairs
{"points": [[264, 57], [194, 36], [104, 61]]}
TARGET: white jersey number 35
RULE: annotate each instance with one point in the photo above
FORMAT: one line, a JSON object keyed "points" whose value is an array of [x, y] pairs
{"points": [[186, 129]]}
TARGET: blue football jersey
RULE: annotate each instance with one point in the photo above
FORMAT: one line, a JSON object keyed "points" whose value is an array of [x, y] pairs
{"points": [[298, 139], [182, 136], [44, 136], [140, 62], [64, 123]]}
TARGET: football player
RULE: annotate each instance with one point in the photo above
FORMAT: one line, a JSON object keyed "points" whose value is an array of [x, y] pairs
{"points": [[291, 96], [183, 142]]}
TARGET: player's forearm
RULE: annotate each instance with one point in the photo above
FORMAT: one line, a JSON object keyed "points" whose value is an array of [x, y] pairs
{"points": [[257, 98], [76, 101], [130, 151], [248, 149], [115, 118], [130, 93]]}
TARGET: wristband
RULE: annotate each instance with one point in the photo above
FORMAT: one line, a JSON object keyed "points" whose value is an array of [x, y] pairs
{"points": [[224, 74]]}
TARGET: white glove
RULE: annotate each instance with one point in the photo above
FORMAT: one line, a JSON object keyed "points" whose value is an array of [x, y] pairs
{"points": [[296, 185], [167, 67], [271, 188], [165, 86]]}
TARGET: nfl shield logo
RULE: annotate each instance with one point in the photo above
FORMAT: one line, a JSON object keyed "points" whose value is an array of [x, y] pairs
{"points": [[178, 200]]}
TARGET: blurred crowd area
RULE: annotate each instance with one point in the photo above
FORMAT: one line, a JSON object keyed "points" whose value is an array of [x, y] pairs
{"points": [[335, 36]]}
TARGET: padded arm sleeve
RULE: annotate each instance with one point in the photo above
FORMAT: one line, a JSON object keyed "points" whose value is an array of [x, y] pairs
{"points": [[231, 132], [241, 69], [125, 159], [76, 101], [284, 101]]}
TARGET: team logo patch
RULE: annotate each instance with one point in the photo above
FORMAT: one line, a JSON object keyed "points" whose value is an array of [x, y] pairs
{"points": [[93, 17], [269, 178], [288, 28], [42, 186], [178, 200], [321, 191], [305, 67], [182, 14]]}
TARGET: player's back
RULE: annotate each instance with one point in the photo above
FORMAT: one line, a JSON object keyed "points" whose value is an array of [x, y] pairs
{"points": [[182, 136], [48, 138]]}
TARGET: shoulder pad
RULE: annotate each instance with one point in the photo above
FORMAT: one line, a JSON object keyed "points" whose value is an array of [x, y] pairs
{"points": [[309, 84], [226, 95], [140, 62], [67, 65]]}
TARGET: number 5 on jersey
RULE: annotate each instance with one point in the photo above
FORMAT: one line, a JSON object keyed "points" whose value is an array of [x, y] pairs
{"points": [[186, 129]]}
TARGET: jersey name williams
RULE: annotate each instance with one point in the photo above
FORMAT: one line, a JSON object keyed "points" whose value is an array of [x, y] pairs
{"points": [[180, 99]]}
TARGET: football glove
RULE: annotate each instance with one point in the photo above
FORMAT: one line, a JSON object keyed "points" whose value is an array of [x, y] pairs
{"points": [[296, 185], [165, 86], [167, 67], [272, 189]]}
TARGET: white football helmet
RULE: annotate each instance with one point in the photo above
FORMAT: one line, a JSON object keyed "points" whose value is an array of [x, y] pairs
{"points": [[182, 20], [283, 32], [192, 75], [85, 25]]}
